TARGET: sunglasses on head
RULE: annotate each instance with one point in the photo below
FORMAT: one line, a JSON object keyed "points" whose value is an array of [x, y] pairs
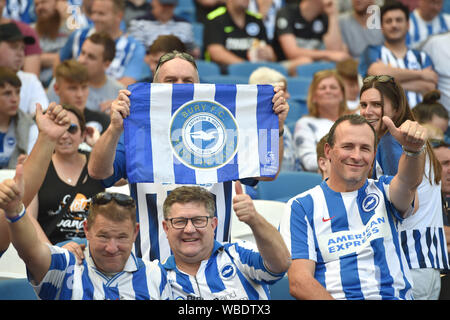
{"points": [[73, 128], [437, 143], [106, 197], [176, 54], [382, 78]]}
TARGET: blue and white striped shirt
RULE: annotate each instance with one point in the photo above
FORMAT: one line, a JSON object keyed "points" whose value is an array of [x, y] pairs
{"points": [[235, 271], [413, 60], [128, 61], [352, 237], [67, 280], [422, 235], [420, 30]]}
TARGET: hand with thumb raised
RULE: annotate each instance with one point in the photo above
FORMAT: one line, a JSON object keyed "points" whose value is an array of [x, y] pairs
{"points": [[411, 135]]}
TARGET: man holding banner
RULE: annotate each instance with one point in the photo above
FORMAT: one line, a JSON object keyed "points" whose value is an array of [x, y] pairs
{"points": [[180, 132]]}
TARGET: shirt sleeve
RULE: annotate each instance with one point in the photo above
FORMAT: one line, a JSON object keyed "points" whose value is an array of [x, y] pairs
{"points": [[136, 63], [119, 165], [369, 56]]}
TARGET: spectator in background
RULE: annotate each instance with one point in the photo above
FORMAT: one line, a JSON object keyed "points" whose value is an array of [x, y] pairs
{"points": [[431, 111], [12, 55], [97, 53], [323, 163], [233, 34], [135, 9], [307, 32], [128, 63], [161, 20], [71, 86], [62, 203], [326, 103], [162, 45], [426, 20], [348, 70], [437, 48], [18, 131], [53, 33], [360, 27], [264, 75], [268, 10], [413, 69], [32, 50]]}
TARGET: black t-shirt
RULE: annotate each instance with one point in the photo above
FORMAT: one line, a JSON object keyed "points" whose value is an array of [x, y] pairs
{"points": [[221, 29], [54, 196], [308, 34]]}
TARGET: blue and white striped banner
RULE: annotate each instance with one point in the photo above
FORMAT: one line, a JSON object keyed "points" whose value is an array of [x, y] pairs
{"points": [[200, 133]]}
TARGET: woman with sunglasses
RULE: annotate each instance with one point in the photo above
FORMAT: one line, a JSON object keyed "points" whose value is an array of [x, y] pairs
{"points": [[422, 235], [61, 204]]}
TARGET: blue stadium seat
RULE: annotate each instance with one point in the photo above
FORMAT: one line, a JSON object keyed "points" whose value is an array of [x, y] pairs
{"points": [[206, 68], [224, 79], [298, 87], [297, 109], [16, 289], [186, 10], [280, 290], [287, 185], [245, 69], [308, 70]]}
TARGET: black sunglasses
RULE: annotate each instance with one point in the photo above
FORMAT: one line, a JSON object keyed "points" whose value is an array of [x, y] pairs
{"points": [[73, 128], [382, 78], [106, 197]]}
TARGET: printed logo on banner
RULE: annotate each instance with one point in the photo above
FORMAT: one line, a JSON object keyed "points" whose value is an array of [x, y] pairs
{"points": [[204, 135]]}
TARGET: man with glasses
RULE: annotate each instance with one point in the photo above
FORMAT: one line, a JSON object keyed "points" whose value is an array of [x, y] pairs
{"points": [[110, 270], [108, 162], [203, 268]]}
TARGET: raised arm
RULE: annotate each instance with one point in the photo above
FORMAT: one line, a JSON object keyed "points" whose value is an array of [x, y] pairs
{"points": [[271, 246], [102, 156], [31, 250], [412, 136], [52, 126]]}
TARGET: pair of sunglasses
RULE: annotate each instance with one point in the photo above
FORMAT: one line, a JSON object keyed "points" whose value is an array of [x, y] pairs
{"points": [[106, 197], [382, 78], [73, 128]]}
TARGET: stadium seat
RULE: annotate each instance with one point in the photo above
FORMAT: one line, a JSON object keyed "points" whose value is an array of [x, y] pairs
{"points": [[206, 68], [224, 79], [298, 87], [280, 290], [197, 28], [308, 70], [270, 210], [186, 9], [296, 111], [245, 69], [287, 185], [16, 289]]}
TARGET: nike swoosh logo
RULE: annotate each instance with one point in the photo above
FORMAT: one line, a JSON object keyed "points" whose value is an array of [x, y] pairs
{"points": [[325, 220]]}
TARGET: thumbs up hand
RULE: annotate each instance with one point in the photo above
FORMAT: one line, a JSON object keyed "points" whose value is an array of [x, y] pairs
{"points": [[11, 193], [243, 206], [411, 135]]}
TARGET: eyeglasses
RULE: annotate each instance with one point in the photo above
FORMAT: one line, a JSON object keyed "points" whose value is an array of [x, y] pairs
{"points": [[106, 197], [181, 222], [175, 54], [382, 78], [73, 128]]}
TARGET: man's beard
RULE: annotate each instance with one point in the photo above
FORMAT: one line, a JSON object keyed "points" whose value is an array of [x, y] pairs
{"points": [[49, 27]]}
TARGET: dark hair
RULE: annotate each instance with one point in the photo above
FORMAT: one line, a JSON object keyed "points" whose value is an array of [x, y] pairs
{"points": [[390, 5], [166, 43], [354, 119], [187, 194], [78, 114], [8, 76], [109, 46], [430, 106]]}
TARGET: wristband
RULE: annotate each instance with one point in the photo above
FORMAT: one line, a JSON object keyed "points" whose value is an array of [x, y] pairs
{"points": [[413, 154], [16, 218]]}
